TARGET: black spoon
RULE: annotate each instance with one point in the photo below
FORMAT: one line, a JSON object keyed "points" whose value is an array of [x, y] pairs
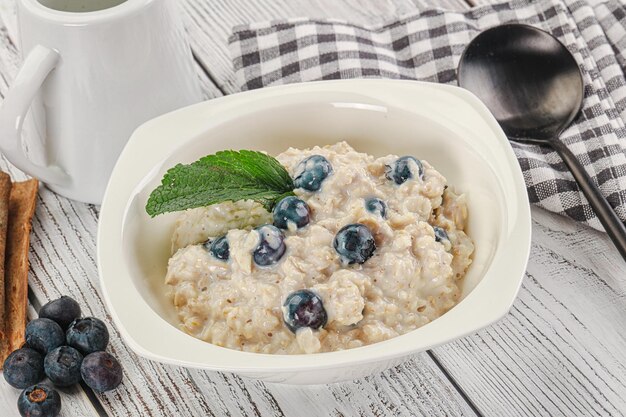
{"points": [[533, 86]]}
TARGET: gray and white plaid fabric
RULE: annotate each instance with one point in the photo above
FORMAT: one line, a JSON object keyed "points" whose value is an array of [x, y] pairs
{"points": [[427, 46]]}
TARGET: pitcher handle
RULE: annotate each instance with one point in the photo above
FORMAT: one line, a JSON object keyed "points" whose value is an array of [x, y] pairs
{"points": [[37, 65]]}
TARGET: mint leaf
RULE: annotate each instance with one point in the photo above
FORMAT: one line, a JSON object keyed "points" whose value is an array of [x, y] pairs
{"points": [[224, 176]]}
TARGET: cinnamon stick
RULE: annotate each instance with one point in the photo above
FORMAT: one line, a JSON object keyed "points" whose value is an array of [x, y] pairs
{"points": [[5, 192], [21, 209]]}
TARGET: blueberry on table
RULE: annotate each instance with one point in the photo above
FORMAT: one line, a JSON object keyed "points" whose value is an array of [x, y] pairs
{"points": [[62, 366], [311, 172], [101, 371], [271, 246], [23, 368], [39, 401], [440, 234], [376, 206], [88, 335], [219, 248], [63, 311], [304, 308], [291, 209], [43, 335], [403, 169], [354, 243]]}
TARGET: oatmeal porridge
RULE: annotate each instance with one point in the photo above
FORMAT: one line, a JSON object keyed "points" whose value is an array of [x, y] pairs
{"points": [[367, 249]]}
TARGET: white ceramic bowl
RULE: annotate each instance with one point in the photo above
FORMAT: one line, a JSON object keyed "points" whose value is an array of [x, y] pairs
{"points": [[445, 125]]}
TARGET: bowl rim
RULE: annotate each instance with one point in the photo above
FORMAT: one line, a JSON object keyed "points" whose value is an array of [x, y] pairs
{"points": [[513, 252]]}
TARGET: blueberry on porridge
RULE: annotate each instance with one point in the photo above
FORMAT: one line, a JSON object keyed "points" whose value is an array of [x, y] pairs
{"points": [[404, 168], [354, 243], [376, 206], [311, 171], [218, 248], [343, 250], [291, 210], [270, 247], [304, 308], [440, 234]]}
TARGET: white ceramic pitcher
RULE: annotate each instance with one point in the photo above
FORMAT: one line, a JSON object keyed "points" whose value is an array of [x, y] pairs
{"points": [[93, 71]]}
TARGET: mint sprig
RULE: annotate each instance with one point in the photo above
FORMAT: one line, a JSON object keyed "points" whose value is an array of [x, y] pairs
{"points": [[224, 176]]}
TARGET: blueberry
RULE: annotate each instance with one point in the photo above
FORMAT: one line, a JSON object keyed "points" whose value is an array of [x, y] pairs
{"points": [[39, 401], [291, 209], [23, 368], [43, 335], [440, 234], [62, 366], [88, 335], [354, 243], [304, 308], [219, 248], [311, 171], [400, 170], [271, 246], [101, 371], [376, 206], [63, 311]]}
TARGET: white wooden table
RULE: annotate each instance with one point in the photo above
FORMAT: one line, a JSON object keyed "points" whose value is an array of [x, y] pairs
{"points": [[561, 351]]}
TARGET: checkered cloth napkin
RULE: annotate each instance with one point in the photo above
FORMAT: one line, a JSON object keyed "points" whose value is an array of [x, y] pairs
{"points": [[427, 46]]}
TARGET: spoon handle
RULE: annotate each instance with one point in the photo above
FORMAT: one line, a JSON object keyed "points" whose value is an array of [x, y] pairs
{"points": [[612, 224]]}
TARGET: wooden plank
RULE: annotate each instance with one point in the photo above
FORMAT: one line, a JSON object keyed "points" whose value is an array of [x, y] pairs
{"points": [[561, 350], [417, 387], [8, 11]]}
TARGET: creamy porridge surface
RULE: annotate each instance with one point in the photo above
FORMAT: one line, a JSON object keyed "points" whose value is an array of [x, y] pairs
{"points": [[412, 277]]}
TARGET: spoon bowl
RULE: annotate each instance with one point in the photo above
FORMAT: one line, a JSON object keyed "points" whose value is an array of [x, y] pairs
{"points": [[526, 77]]}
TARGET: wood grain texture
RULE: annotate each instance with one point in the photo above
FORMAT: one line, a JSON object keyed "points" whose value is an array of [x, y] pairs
{"points": [[562, 349], [416, 388]]}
